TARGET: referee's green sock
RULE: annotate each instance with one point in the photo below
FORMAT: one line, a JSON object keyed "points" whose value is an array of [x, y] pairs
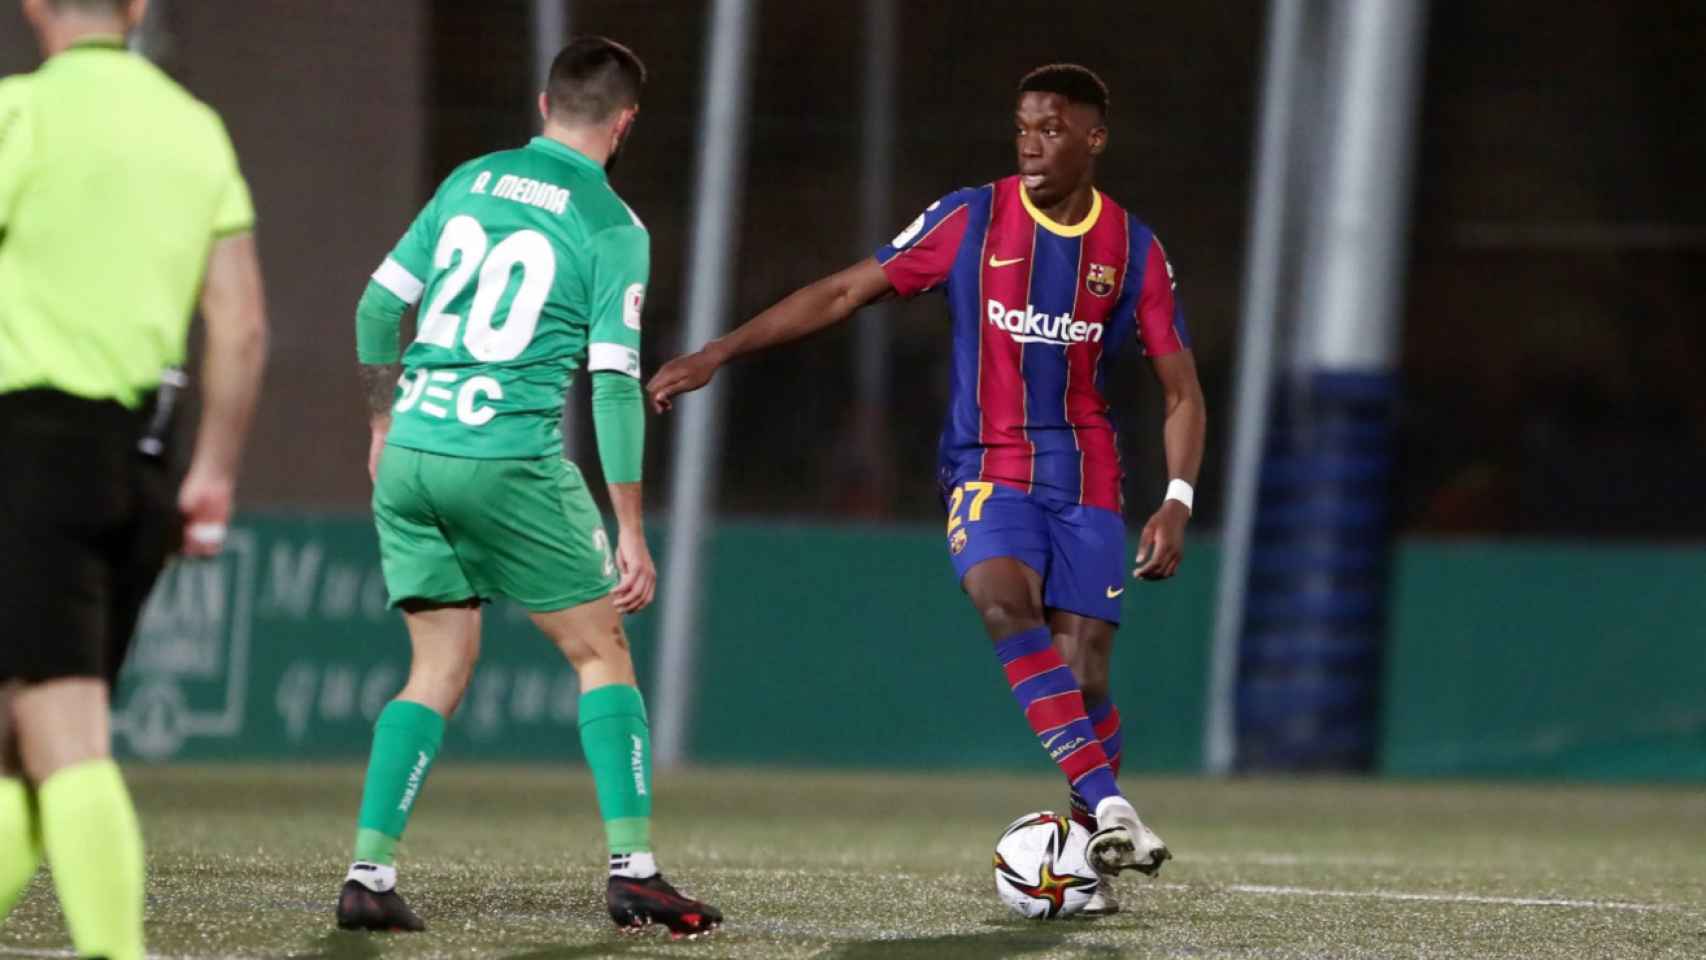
{"points": [[20, 841], [618, 745], [94, 847], [406, 739]]}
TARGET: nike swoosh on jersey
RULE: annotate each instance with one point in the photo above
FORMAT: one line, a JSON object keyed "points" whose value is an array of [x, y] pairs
{"points": [[1112, 593], [996, 262]]}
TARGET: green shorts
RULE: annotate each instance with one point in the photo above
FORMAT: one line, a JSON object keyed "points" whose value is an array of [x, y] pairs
{"points": [[455, 528]]}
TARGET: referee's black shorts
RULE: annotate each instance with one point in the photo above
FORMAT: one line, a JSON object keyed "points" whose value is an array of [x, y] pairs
{"points": [[86, 524]]}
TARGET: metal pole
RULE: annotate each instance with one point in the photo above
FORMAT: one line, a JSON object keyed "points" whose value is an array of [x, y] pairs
{"points": [[876, 200], [152, 37], [1312, 635], [716, 228], [1262, 284], [550, 30], [1359, 248]]}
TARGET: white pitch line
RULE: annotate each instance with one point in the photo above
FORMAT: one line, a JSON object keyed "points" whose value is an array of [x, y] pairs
{"points": [[1403, 896], [1258, 859]]}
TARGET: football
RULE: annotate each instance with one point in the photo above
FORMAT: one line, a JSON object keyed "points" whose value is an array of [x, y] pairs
{"points": [[1040, 869]]}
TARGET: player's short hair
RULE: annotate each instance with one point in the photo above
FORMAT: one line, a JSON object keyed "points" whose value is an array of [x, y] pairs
{"points": [[593, 78], [1078, 84]]}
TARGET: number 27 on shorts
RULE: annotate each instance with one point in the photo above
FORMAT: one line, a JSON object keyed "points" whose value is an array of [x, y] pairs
{"points": [[978, 491]]}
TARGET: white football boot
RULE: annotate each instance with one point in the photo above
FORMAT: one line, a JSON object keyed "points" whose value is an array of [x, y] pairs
{"points": [[1102, 902], [1123, 842]]}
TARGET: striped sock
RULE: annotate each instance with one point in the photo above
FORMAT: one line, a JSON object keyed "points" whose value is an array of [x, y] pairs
{"points": [[1105, 720], [1049, 695]]}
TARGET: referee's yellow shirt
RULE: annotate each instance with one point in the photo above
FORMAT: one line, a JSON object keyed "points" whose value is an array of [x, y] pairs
{"points": [[114, 184]]}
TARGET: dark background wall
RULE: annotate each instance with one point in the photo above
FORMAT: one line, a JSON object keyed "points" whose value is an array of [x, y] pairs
{"points": [[328, 110], [1554, 348], [1183, 84], [1552, 341]]}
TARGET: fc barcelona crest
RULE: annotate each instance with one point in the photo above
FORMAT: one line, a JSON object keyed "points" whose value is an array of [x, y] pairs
{"points": [[1100, 279]]}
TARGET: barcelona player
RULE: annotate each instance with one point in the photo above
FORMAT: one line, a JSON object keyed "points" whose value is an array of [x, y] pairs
{"points": [[1047, 280]]}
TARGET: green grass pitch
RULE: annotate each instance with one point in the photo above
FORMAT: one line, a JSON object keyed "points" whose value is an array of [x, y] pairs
{"points": [[506, 862]]}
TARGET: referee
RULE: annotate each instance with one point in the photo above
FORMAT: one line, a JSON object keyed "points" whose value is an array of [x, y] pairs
{"points": [[120, 203]]}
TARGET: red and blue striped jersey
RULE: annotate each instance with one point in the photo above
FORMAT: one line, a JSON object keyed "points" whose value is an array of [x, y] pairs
{"points": [[1040, 312]]}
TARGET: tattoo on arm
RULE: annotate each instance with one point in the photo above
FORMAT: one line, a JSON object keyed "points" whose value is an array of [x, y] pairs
{"points": [[379, 385]]}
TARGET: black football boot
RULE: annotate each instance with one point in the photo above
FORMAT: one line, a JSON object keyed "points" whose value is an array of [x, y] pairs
{"points": [[635, 904], [361, 909]]}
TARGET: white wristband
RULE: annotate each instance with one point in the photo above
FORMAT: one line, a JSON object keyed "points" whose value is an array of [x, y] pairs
{"points": [[1181, 491], [207, 534]]}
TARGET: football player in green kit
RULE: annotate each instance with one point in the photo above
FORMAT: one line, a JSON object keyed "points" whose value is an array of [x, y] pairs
{"points": [[527, 266]]}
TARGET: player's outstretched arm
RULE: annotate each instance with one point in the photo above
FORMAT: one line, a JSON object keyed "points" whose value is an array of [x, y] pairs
{"points": [[1183, 431], [801, 313], [234, 311]]}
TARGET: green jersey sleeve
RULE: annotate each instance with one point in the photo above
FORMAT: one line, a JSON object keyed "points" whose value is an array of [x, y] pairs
{"points": [[406, 271], [378, 318], [15, 144], [621, 265], [394, 288], [619, 418]]}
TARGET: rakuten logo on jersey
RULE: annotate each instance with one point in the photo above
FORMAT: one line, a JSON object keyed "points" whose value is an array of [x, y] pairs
{"points": [[1029, 326]]}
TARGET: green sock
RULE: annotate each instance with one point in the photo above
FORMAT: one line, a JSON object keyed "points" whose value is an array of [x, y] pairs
{"points": [[618, 747], [405, 742], [94, 847], [20, 842]]}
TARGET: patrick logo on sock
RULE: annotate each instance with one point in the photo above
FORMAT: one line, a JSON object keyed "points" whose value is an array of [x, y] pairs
{"points": [[416, 775]]}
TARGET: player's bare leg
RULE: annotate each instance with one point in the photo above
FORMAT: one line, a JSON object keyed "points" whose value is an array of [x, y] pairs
{"points": [[591, 638], [1008, 596], [1087, 645], [617, 743], [445, 644], [60, 724]]}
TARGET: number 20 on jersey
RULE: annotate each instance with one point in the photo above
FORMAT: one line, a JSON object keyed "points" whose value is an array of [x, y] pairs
{"points": [[465, 245]]}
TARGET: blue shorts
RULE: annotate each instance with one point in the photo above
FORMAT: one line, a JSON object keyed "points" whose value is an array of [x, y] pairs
{"points": [[1079, 551]]}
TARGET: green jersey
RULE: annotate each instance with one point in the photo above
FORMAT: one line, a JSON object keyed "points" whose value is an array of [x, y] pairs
{"points": [[529, 267], [114, 184]]}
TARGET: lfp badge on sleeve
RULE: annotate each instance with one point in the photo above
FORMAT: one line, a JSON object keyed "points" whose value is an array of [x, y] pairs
{"points": [[187, 675]]}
